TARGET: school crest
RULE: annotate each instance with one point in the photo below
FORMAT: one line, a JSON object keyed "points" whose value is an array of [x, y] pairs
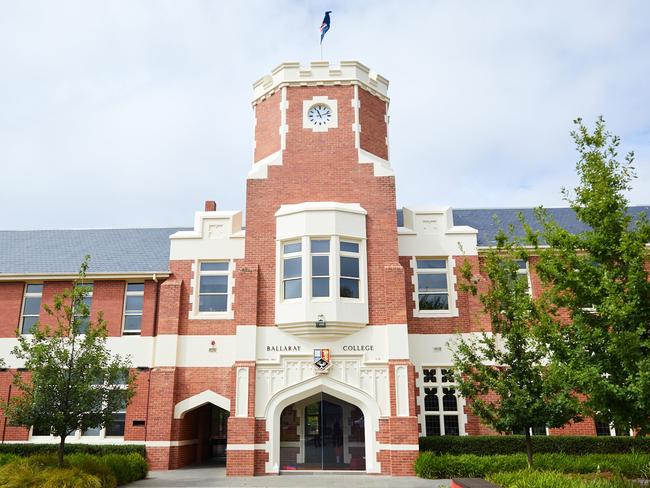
{"points": [[322, 360]]}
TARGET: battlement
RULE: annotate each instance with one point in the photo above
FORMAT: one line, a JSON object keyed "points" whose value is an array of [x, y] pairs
{"points": [[320, 73]]}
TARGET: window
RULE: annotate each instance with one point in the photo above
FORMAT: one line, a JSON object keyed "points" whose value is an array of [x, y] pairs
{"points": [[604, 428], [213, 286], [116, 426], [522, 274], [432, 289], [133, 302], [88, 301], [31, 306], [349, 280], [292, 270], [320, 268], [441, 406]]}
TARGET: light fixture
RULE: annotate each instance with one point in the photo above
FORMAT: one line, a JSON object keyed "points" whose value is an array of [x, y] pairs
{"points": [[320, 323]]}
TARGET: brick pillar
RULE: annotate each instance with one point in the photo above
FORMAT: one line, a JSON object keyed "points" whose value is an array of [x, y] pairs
{"points": [[400, 430], [160, 415], [394, 294], [240, 459], [246, 277]]}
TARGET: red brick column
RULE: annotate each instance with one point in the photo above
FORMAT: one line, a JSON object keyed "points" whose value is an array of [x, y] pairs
{"points": [[399, 430], [240, 459]]}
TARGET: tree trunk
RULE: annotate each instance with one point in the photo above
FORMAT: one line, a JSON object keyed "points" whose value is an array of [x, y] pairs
{"points": [[529, 448], [61, 448]]}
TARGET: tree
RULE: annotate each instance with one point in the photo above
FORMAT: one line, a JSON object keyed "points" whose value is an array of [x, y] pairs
{"points": [[503, 372], [597, 285], [74, 380]]}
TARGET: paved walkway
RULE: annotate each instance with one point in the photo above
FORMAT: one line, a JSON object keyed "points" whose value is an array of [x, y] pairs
{"points": [[211, 476]]}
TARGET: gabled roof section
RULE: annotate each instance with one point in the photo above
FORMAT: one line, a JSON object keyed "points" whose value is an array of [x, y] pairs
{"points": [[482, 219], [62, 251]]}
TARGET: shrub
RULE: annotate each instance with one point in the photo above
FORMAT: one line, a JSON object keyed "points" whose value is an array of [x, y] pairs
{"points": [[66, 478], [429, 465], [7, 458], [126, 468], [94, 465], [42, 461], [513, 444], [30, 449], [552, 479], [18, 474]]}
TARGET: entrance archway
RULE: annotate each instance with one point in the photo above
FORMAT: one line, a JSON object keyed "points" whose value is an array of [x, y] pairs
{"points": [[322, 432], [324, 388], [205, 417]]}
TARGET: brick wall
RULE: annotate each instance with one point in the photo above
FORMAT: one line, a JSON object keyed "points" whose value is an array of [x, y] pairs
{"points": [[11, 299]]}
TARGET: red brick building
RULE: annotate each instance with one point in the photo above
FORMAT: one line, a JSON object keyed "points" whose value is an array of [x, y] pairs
{"points": [[313, 338]]}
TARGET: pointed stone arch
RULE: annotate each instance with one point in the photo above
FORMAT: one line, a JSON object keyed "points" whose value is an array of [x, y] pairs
{"points": [[198, 400], [323, 384]]}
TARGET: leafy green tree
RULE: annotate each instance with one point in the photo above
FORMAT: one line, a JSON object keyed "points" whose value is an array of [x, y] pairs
{"points": [[503, 371], [597, 285], [74, 381]]}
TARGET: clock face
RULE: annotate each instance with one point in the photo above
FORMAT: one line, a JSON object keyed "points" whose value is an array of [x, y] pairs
{"points": [[319, 114]]}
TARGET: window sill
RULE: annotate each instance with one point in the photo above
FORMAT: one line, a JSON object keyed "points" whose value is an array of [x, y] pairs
{"points": [[211, 315], [434, 314], [131, 332]]}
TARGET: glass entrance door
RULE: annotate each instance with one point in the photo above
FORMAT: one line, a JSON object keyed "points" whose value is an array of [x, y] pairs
{"points": [[322, 433]]}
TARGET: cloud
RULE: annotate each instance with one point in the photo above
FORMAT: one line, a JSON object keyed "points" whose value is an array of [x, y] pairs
{"points": [[131, 113]]}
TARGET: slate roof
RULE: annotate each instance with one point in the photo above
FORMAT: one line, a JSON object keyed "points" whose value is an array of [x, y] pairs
{"points": [[482, 219], [147, 250], [61, 251]]}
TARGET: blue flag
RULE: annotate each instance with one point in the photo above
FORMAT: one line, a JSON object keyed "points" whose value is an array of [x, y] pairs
{"points": [[325, 26]]}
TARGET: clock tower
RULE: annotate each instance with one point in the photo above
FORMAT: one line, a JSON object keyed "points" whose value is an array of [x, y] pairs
{"points": [[321, 271]]}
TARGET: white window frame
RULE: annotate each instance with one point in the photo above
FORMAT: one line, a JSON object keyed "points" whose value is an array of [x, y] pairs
{"points": [[439, 385], [22, 308], [293, 255], [330, 269], [450, 263], [195, 313], [349, 254], [126, 312]]}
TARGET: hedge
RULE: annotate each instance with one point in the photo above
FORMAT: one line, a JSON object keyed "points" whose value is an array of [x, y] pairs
{"points": [[99, 450], [513, 444], [551, 479], [432, 466], [80, 470]]}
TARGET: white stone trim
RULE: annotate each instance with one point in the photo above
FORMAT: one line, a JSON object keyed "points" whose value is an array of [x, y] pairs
{"points": [[259, 171], [284, 128], [241, 385], [401, 391], [399, 447], [320, 73], [381, 167], [188, 442], [198, 400]]}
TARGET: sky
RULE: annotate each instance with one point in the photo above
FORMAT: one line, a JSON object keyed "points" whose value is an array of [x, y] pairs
{"points": [[131, 113]]}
